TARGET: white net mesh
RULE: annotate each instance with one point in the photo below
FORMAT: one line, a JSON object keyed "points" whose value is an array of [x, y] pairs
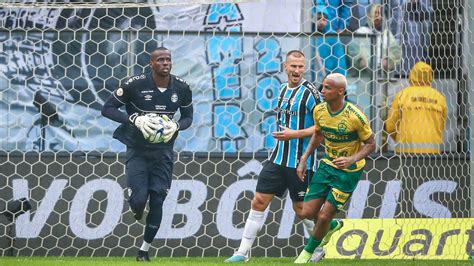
{"points": [[60, 61]]}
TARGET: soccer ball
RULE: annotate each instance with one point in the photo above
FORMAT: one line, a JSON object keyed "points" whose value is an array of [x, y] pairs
{"points": [[157, 135]]}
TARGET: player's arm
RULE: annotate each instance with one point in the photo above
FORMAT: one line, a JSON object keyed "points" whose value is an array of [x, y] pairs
{"points": [[186, 109], [186, 118], [111, 110], [366, 149], [286, 133], [316, 139]]}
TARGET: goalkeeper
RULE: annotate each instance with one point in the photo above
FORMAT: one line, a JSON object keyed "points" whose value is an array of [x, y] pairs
{"points": [[151, 100]]}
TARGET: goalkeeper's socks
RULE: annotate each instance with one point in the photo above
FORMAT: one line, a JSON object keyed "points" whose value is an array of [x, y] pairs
{"points": [[145, 246], [150, 233], [252, 226], [312, 244]]}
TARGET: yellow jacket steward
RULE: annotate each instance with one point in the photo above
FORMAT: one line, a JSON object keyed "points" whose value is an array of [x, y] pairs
{"points": [[417, 116]]}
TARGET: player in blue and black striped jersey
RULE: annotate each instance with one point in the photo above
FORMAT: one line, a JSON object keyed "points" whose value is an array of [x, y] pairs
{"points": [[296, 102], [151, 100]]}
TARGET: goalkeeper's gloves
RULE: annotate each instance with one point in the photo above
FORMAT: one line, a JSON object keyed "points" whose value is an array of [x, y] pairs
{"points": [[170, 127], [144, 123]]}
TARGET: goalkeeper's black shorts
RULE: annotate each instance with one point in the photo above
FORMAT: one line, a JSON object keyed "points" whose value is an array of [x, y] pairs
{"points": [[149, 170]]}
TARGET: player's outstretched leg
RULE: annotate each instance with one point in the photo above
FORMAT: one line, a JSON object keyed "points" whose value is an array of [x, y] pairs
{"points": [[336, 225]]}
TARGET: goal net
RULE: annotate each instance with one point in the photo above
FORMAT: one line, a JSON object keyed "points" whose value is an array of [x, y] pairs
{"points": [[60, 60]]}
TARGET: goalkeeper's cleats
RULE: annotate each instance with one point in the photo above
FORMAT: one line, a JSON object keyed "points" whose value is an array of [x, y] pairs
{"points": [[327, 237], [318, 255], [237, 258], [143, 256], [304, 257]]}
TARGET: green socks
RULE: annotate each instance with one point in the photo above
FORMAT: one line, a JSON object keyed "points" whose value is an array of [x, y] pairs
{"points": [[312, 244], [333, 224]]}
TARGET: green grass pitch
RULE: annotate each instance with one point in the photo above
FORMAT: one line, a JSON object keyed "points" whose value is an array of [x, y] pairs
{"points": [[115, 261]]}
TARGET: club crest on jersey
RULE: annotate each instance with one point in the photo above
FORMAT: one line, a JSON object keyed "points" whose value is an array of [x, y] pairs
{"points": [[292, 101], [148, 97], [174, 97], [342, 127], [119, 92]]}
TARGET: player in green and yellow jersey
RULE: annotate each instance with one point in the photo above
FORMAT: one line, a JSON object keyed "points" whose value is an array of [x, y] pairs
{"points": [[348, 139]]}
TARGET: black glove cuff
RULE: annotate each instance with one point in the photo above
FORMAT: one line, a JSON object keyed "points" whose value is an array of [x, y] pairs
{"points": [[132, 118]]}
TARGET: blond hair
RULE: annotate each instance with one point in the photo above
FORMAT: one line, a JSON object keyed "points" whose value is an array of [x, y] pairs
{"points": [[339, 79]]}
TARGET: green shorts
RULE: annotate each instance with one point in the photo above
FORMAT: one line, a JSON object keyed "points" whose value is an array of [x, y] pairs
{"points": [[333, 184]]}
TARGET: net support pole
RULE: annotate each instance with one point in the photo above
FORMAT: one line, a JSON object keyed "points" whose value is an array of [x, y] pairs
{"points": [[470, 64]]}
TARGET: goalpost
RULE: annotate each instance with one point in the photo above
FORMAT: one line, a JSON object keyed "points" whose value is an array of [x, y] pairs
{"points": [[60, 60]]}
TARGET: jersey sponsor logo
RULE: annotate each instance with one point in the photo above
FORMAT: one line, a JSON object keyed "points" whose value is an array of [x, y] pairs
{"points": [[285, 111], [337, 135], [130, 80], [335, 153], [182, 80], [148, 97], [340, 196], [356, 113], [150, 91], [160, 107], [311, 87], [346, 113], [119, 92], [174, 97]]}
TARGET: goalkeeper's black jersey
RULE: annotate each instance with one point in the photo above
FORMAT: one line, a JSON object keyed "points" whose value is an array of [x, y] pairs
{"points": [[140, 95]]}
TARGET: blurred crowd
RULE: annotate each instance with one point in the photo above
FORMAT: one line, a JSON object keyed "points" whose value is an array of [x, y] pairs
{"points": [[401, 29]]}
